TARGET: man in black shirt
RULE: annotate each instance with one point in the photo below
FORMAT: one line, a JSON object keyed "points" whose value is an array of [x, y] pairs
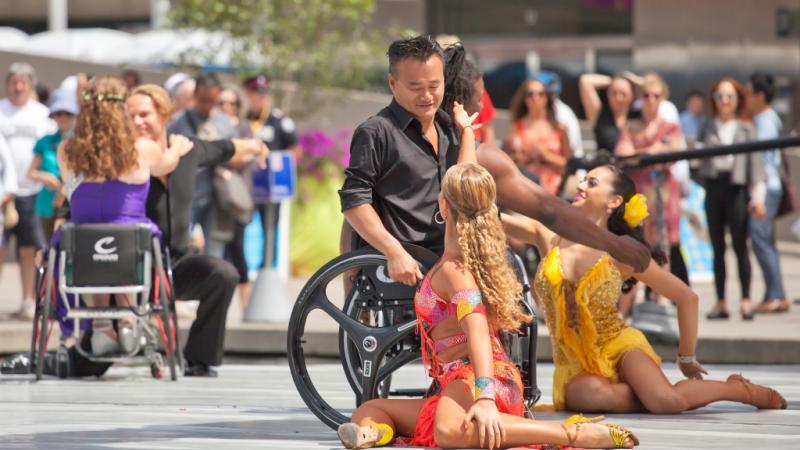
{"points": [[398, 158], [203, 277]]}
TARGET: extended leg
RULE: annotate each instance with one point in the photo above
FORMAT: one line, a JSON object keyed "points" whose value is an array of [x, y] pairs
{"points": [[451, 432], [659, 396]]}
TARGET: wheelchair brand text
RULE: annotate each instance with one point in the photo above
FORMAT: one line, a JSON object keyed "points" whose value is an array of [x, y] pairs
{"points": [[103, 250]]}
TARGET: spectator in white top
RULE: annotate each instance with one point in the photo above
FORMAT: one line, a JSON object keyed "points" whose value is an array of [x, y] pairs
{"points": [[8, 185], [23, 121]]}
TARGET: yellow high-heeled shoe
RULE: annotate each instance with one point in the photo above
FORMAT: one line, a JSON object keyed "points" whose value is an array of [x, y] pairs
{"points": [[353, 436]]}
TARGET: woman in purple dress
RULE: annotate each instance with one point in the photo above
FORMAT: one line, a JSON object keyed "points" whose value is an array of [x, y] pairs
{"points": [[106, 172]]}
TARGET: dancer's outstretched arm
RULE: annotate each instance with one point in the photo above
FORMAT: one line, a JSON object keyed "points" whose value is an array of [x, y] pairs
{"points": [[670, 286], [522, 195]]}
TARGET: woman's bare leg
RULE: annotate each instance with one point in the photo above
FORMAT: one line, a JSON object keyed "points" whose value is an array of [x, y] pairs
{"points": [[456, 400], [399, 414], [595, 394], [659, 396]]}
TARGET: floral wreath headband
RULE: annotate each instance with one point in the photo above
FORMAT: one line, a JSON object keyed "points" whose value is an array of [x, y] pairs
{"points": [[636, 210], [87, 96]]}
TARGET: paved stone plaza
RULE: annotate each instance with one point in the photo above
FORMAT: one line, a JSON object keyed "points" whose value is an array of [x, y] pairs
{"points": [[254, 405]]}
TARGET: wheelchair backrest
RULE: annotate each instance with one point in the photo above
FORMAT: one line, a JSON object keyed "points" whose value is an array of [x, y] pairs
{"points": [[105, 254]]}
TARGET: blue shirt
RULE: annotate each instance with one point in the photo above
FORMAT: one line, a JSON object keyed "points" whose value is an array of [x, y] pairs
{"points": [[768, 126], [690, 124], [46, 148]]}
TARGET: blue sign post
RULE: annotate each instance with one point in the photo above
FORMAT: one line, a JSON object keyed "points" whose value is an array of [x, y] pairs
{"points": [[278, 181], [274, 187]]}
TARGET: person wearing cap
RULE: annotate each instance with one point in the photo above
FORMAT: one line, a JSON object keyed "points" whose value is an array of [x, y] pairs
{"points": [[180, 87], [23, 121], [44, 167], [271, 125]]}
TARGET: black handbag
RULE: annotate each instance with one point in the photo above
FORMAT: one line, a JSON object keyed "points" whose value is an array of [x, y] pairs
{"points": [[233, 194], [789, 200]]}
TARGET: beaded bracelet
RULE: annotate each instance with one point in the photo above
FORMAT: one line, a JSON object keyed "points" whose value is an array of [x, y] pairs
{"points": [[687, 359], [484, 388]]}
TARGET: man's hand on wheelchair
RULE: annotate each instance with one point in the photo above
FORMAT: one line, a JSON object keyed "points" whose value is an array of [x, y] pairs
{"points": [[403, 268]]}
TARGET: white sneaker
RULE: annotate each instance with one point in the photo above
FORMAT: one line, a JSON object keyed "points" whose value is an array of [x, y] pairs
{"points": [[127, 339], [27, 310], [103, 344]]}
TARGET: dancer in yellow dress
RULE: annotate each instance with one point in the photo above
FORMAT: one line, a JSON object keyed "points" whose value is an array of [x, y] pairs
{"points": [[602, 365]]}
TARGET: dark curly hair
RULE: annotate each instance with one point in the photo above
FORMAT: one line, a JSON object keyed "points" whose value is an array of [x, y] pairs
{"points": [[624, 186], [460, 75], [103, 144]]}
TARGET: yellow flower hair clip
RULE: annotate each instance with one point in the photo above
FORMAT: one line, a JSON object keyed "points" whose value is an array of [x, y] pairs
{"points": [[636, 210]]}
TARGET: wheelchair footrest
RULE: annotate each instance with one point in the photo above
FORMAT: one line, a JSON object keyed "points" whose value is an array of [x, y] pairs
{"points": [[101, 313]]}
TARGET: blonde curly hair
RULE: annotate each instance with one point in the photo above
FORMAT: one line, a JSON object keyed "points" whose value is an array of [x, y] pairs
{"points": [[470, 192], [103, 143]]}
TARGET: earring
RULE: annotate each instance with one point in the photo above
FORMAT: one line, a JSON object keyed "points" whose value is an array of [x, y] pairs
{"points": [[438, 218]]}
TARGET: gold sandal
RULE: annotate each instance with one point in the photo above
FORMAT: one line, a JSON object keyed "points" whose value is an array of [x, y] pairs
{"points": [[580, 418], [774, 399], [618, 433], [353, 436]]}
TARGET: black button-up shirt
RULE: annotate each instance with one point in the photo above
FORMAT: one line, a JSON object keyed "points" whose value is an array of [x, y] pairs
{"points": [[394, 168], [170, 207]]}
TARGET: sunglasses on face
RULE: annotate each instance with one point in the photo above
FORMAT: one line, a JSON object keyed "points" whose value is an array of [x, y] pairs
{"points": [[530, 94], [721, 96], [620, 94], [227, 102]]}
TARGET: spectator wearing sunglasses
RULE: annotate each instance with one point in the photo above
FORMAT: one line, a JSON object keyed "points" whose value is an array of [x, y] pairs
{"points": [[537, 142], [729, 181]]}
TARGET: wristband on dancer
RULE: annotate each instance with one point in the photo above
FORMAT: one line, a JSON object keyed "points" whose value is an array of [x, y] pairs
{"points": [[484, 388]]}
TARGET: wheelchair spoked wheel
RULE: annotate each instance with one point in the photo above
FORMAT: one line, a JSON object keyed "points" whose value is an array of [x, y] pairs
{"points": [[370, 311], [168, 320], [376, 330], [45, 295]]}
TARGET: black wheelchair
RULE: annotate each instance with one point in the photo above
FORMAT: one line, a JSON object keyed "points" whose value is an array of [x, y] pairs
{"points": [[377, 331], [107, 259]]}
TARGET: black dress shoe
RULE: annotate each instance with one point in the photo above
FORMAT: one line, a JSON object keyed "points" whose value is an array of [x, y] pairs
{"points": [[16, 364], [20, 364], [199, 370], [717, 314]]}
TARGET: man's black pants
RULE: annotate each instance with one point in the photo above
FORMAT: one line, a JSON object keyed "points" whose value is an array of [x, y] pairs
{"points": [[196, 277]]}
